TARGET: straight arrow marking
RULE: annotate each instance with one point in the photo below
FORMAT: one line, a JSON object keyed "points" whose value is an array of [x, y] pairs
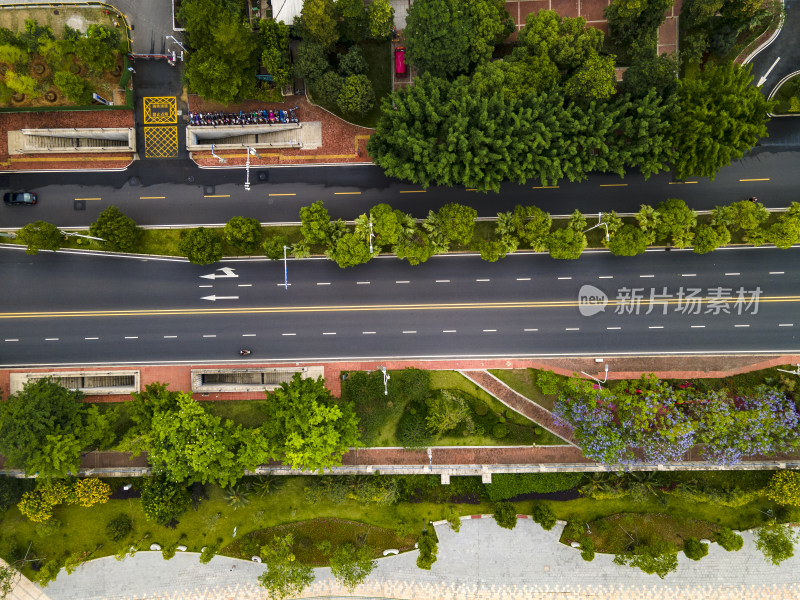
{"points": [[226, 272], [215, 298], [763, 79]]}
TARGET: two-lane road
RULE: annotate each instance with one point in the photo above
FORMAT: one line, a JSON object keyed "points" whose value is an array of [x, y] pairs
{"points": [[68, 309]]}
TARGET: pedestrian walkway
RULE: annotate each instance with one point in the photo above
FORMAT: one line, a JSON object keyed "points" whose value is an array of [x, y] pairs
{"points": [[481, 562], [520, 403]]}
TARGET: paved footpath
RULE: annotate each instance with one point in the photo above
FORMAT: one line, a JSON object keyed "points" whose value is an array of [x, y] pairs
{"points": [[480, 562]]}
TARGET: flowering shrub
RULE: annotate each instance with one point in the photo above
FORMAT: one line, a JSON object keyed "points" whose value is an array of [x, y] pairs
{"points": [[784, 488], [92, 491], [38, 504], [652, 422]]}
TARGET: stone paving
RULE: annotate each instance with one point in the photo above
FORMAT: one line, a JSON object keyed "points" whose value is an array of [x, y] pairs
{"points": [[480, 562]]}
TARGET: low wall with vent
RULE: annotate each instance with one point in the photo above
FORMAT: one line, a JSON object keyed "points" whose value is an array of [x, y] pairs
{"points": [[248, 379], [91, 383], [92, 139]]}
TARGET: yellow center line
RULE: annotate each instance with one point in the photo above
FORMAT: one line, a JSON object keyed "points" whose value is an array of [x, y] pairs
{"points": [[345, 193], [545, 187], [218, 196], [765, 179], [367, 308], [152, 197], [283, 194], [88, 198], [613, 184], [471, 190], [413, 191]]}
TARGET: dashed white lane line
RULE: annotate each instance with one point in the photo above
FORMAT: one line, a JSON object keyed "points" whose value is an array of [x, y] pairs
{"points": [[248, 335], [286, 334], [442, 281], [209, 335], [613, 327], [656, 327], [410, 331], [50, 339], [572, 329], [323, 283], [11, 339], [328, 333], [362, 282], [523, 278], [741, 325], [170, 337], [245, 285], [206, 286], [530, 330], [698, 326], [404, 281], [483, 280], [91, 338], [131, 337], [489, 330], [448, 330], [283, 284], [566, 278], [785, 324], [776, 272], [646, 275], [731, 274], [606, 277], [688, 274], [367, 333]]}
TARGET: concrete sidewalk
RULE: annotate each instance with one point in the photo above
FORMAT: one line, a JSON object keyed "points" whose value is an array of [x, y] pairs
{"points": [[480, 562]]}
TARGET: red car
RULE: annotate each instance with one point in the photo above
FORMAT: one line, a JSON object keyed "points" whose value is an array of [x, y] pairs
{"points": [[400, 61]]}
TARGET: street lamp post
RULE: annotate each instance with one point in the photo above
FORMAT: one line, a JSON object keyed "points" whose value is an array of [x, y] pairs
{"points": [[169, 37], [88, 237], [430, 459], [599, 223], [371, 235], [386, 378], [595, 378], [285, 270], [247, 166], [215, 155]]}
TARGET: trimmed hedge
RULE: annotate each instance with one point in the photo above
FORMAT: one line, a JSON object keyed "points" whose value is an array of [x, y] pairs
{"points": [[505, 486]]}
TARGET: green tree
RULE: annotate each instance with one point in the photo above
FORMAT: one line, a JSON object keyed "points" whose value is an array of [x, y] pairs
{"points": [[594, 80], [746, 215], [44, 427], [428, 549], [776, 542], [275, 53], [319, 22], [40, 235], [311, 61], [544, 516], [285, 577], [163, 499], [389, 225], [353, 62], [786, 232], [719, 117], [244, 234], [327, 88], [274, 246], [635, 23], [201, 246], [12, 54], [75, 88], [225, 53], [315, 223], [349, 250], [155, 399], [380, 17], [351, 566], [118, 230], [675, 222], [694, 549], [566, 243], [351, 16], [95, 54], [21, 84], [505, 514], [456, 223], [708, 238], [415, 247], [651, 72], [532, 226], [356, 95], [438, 37], [307, 428], [659, 557], [9, 576], [732, 542], [189, 444], [629, 240], [494, 250], [446, 410], [568, 42]]}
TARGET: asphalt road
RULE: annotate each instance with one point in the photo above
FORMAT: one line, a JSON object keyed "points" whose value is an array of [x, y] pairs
{"points": [[69, 309], [782, 56]]}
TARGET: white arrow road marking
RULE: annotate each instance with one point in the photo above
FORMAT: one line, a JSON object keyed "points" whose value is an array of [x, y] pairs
{"points": [[226, 272], [763, 80], [215, 298]]}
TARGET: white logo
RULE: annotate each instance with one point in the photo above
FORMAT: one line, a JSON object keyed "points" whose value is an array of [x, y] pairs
{"points": [[591, 300]]}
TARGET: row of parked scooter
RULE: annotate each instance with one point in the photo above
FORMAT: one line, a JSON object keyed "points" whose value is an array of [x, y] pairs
{"points": [[256, 117]]}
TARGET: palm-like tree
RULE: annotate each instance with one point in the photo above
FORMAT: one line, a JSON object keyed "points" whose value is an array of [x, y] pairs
{"points": [[237, 495]]}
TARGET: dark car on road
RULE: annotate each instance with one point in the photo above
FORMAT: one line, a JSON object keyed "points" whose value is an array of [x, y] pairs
{"points": [[19, 198]]}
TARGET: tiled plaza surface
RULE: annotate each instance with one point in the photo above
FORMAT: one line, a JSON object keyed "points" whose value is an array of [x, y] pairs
{"points": [[481, 562]]}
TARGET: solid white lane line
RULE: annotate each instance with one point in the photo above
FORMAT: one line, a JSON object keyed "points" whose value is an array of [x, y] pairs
{"points": [[646, 275], [489, 330], [442, 281], [656, 327], [730, 274], [483, 280], [530, 330], [367, 333], [688, 274], [573, 329], [323, 283], [328, 333], [785, 324], [565, 278], [131, 337], [170, 337], [523, 278], [448, 330], [613, 327], [209, 335], [698, 326], [776, 272], [741, 325], [406, 281], [50, 339], [606, 277], [285, 334], [91, 338], [205, 286], [362, 282], [248, 335], [409, 331], [245, 285], [12, 339]]}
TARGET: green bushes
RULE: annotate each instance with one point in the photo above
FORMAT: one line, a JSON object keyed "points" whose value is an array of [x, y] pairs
{"points": [[544, 516], [118, 527], [509, 485], [728, 539], [428, 549], [505, 514], [694, 549]]}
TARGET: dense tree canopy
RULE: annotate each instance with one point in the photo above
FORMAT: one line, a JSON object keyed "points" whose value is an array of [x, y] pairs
{"points": [[40, 235], [118, 230]]}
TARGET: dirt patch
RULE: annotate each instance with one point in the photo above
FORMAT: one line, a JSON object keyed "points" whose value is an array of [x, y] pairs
{"points": [[75, 16]]}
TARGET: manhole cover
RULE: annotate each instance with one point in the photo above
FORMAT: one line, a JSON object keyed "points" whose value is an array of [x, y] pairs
{"points": [[263, 175], [133, 181], [79, 205], [190, 179], [209, 190]]}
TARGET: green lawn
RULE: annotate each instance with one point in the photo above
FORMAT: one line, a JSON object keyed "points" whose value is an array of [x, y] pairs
{"points": [[788, 96], [523, 381]]}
